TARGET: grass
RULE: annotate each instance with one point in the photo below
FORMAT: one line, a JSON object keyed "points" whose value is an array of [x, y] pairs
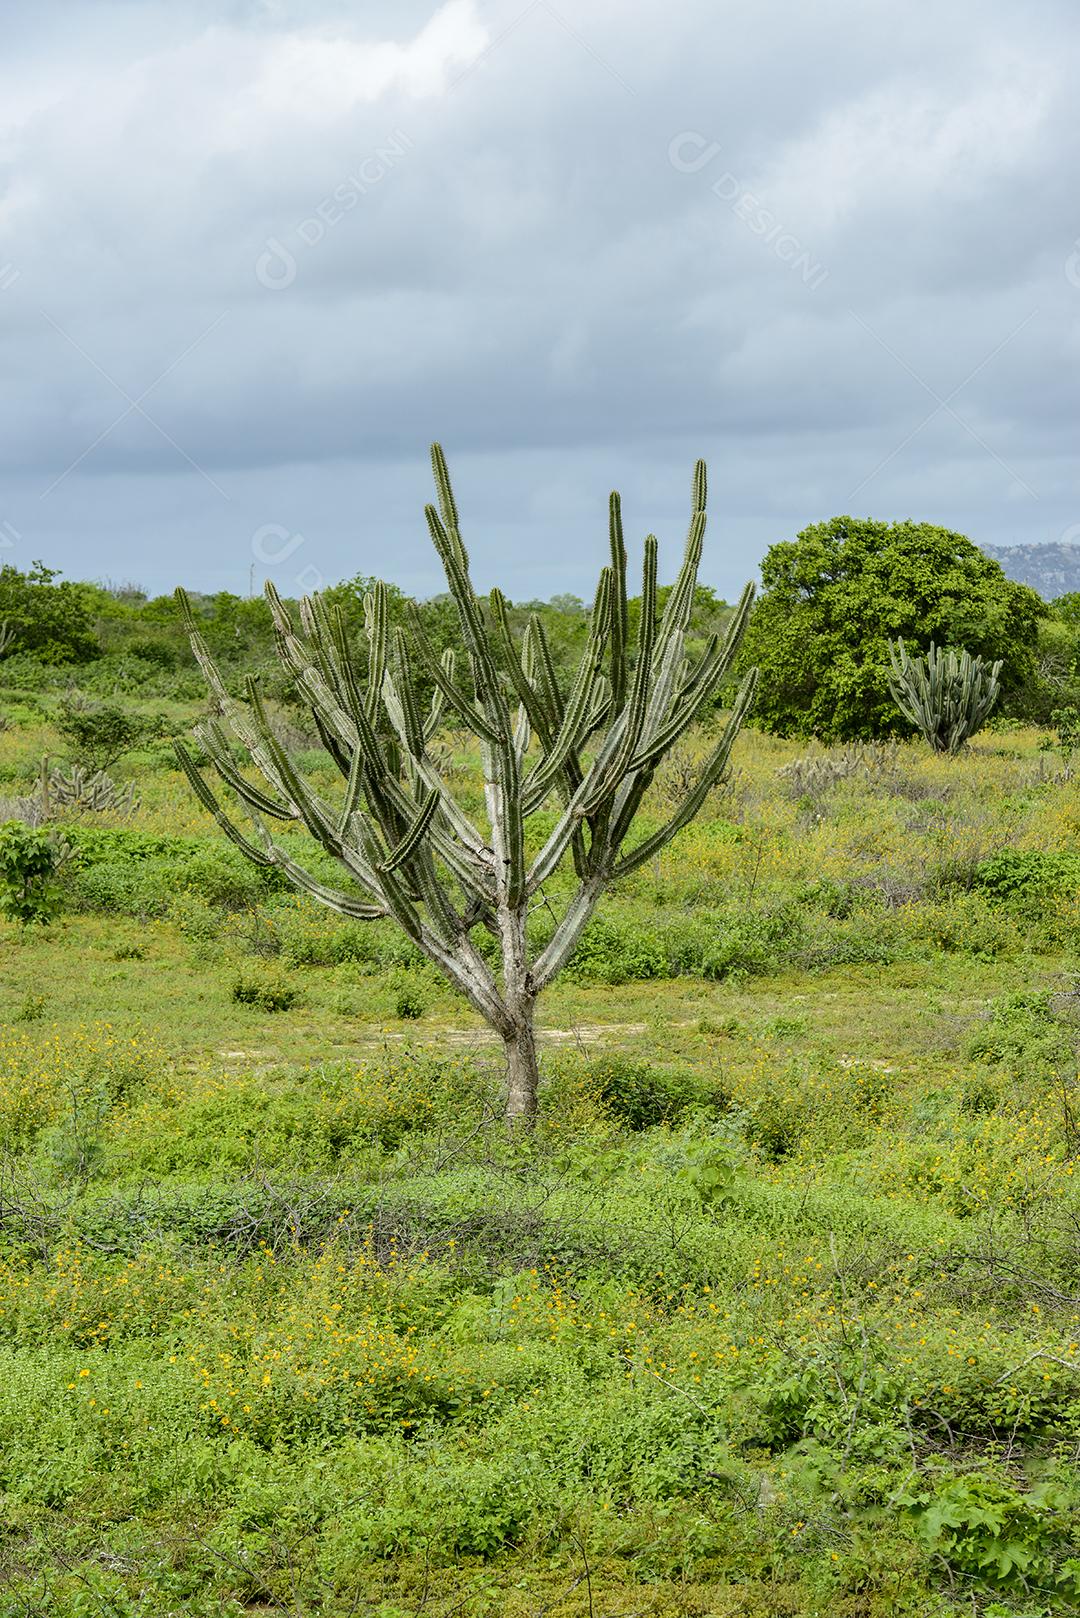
{"points": [[777, 1313]]}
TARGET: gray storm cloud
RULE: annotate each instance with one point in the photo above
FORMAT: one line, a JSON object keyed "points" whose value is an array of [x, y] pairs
{"points": [[253, 257]]}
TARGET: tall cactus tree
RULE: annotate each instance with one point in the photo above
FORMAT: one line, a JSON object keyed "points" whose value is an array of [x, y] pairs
{"points": [[946, 695], [410, 851]]}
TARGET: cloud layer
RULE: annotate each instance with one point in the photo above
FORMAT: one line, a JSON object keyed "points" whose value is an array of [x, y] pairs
{"points": [[254, 257]]}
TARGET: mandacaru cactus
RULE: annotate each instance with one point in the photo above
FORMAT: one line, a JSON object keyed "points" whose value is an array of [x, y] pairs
{"points": [[408, 848], [77, 789], [946, 695]]}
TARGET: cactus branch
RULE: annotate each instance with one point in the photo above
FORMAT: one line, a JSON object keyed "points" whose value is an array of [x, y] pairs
{"points": [[590, 743]]}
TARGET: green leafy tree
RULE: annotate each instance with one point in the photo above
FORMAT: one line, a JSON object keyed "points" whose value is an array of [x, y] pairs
{"points": [[51, 621], [1067, 608], [836, 595]]}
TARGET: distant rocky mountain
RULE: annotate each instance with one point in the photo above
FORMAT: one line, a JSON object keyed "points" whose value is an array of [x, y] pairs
{"points": [[1053, 569]]}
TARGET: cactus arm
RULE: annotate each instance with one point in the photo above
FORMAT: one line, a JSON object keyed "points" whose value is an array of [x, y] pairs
{"points": [[214, 743], [710, 776], [404, 688], [619, 613], [210, 803], [452, 816], [637, 702], [332, 898], [485, 676], [547, 681], [573, 815], [411, 840], [442, 678], [437, 709], [680, 603], [698, 689], [529, 697], [447, 502], [560, 947], [578, 705]]}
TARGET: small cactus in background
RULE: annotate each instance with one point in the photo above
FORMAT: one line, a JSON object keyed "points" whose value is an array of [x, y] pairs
{"points": [[946, 695], [7, 638], [811, 777], [76, 789]]}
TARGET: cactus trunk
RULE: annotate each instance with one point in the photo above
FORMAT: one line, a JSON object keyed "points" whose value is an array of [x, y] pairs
{"points": [[522, 1069]]}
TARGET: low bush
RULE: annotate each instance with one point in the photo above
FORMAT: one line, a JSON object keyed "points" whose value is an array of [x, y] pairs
{"points": [[715, 946], [30, 858], [1032, 1033], [128, 872], [264, 991], [640, 1094], [1031, 874], [987, 1529], [97, 734]]}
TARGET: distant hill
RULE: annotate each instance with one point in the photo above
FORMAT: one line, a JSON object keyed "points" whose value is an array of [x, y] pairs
{"points": [[1053, 570]]}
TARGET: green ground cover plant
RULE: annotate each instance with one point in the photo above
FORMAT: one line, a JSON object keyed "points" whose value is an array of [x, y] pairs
{"points": [[775, 1313]]}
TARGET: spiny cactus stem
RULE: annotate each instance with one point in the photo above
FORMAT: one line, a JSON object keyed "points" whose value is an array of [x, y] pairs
{"points": [[407, 845]]}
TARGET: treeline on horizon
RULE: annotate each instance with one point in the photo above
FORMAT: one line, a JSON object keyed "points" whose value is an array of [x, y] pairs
{"points": [[831, 601]]}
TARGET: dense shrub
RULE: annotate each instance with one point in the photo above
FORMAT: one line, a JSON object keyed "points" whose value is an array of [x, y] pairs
{"points": [[48, 620], [716, 946], [1033, 1033], [29, 859], [99, 733], [611, 951], [264, 991], [312, 936], [128, 872], [642, 1094], [1028, 874], [985, 1528], [834, 597]]}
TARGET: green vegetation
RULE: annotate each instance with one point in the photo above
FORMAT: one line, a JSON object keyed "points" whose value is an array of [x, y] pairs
{"points": [[834, 598], [29, 859], [48, 620], [774, 1314], [97, 734]]}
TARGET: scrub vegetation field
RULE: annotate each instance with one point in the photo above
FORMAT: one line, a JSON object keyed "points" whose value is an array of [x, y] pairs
{"points": [[776, 1313]]}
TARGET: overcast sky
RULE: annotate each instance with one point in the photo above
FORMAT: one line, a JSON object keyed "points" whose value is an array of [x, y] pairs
{"points": [[255, 256]]}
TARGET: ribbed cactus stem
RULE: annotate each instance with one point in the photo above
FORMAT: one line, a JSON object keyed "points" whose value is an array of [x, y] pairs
{"points": [[947, 695], [410, 851], [77, 791]]}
